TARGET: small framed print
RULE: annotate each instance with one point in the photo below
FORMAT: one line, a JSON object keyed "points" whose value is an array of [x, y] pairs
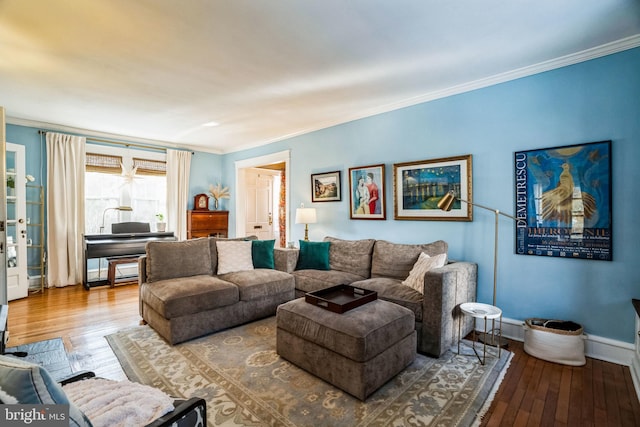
{"points": [[325, 187], [419, 186], [366, 189], [201, 202]]}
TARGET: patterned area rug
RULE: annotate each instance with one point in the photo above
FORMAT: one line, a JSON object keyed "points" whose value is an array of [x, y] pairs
{"points": [[246, 383]]}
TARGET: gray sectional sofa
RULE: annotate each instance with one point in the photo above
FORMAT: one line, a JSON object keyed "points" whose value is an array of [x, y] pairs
{"points": [[381, 266], [182, 297]]}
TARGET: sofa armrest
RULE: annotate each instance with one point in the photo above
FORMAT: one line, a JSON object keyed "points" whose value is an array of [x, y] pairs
{"points": [[285, 259], [445, 289], [191, 412], [142, 278]]}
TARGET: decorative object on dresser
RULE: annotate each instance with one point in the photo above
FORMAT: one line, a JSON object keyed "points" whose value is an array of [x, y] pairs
{"points": [[207, 223], [201, 202], [218, 192]]}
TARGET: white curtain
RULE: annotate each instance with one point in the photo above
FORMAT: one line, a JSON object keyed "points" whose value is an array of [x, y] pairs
{"points": [[65, 208], [178, 169]]}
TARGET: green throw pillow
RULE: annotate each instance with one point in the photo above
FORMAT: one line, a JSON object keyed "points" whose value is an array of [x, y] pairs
{"points": [[313, 255], [262, 253]]}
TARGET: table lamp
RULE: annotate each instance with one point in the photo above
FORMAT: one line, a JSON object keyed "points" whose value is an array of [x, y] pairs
{"points": [[305, 216]]}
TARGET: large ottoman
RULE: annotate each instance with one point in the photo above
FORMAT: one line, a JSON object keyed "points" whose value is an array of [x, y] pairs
{"points": [[357, 351]]}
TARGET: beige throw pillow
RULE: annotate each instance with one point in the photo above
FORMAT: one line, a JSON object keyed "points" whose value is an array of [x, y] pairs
{"points": [[234, 256], [420, 268]]}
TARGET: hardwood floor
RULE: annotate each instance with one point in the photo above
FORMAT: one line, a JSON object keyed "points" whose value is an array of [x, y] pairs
{"points": [[533, 392]]}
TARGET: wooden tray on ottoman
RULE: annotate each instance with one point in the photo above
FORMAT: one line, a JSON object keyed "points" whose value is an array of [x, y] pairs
{"points": [[340, 298]]}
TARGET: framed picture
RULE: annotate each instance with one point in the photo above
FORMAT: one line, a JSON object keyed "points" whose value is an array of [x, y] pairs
{"points": [[325, 187], [418, 186], [563, 201], [366, 189]]}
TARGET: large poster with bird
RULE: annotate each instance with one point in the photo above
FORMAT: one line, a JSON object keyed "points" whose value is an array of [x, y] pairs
{"points": [[563, 201]]}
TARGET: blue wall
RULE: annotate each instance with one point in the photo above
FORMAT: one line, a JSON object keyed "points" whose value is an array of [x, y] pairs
{"points": [[591, 101]]}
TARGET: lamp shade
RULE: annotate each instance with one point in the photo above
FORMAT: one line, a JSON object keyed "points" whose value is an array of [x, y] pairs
{"points": [[447, 201], [305, 216]]}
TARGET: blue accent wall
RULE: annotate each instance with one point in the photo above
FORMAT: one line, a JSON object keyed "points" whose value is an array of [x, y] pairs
{"points": [[592, 101]]}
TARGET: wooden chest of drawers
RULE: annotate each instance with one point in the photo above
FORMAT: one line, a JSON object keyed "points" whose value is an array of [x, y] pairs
{"points": [[207, 223]]}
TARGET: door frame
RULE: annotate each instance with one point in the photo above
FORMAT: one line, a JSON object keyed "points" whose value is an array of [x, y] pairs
{"points": [[240, 165], [4, 297]]}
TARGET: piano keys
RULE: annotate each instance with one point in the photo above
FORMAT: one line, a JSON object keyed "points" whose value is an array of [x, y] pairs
{"points": [[116, 245]]}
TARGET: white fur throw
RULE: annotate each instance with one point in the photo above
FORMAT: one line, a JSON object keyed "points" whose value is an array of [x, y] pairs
{"points": [[118, 403], [6, 398]]}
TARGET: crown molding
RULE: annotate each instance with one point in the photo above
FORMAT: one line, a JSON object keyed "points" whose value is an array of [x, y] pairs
{"points": [[112, 136], [564, 61]]}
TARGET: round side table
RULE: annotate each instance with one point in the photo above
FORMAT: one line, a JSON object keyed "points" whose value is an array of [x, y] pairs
{"points": [[478, 310]]}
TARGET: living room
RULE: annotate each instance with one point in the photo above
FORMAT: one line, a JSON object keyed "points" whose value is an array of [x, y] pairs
{"points": [[587, 97]]}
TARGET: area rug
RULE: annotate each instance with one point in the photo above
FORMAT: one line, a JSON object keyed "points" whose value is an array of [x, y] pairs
{"points": [[246, 383], [50, 354]]}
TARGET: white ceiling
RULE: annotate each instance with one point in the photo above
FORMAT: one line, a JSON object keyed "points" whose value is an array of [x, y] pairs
{"points": [[265, 70]]}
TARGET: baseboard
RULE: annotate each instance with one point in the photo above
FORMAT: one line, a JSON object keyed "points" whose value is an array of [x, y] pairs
{"points": [[596, 347]]}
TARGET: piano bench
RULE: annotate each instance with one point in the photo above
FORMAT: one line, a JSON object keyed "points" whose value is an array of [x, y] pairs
{"points": [[111, 271]]}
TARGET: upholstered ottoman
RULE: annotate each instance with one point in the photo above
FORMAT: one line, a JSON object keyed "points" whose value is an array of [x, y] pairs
{"points": [[357, 351]]}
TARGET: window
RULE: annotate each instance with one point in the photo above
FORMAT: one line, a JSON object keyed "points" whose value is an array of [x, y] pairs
{"points": [[110, 182]]}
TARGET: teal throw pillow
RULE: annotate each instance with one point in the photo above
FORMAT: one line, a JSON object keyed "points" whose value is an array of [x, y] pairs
{"points": [[313, 256], [262, 253]]}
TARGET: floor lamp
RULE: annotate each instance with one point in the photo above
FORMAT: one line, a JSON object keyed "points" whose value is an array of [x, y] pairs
{"points": [[445, 204]]}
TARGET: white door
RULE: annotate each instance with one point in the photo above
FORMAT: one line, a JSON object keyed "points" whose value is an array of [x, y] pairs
{"points": [[259, 204], [16, 225]]}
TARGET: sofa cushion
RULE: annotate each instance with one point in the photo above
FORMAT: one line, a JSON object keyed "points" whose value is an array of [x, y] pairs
{"points": [[172, 259], [353, 256], [31, 384], [396, 260], [393, 290], [260, 283], [315, 280], [262, 253], [313, 255], [188, 295], [420, 268], [234, 256]]}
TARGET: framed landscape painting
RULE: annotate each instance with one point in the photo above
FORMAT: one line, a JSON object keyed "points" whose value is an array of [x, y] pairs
{"points": [[366, 189], [419, 186], [325, 187], [563, 201]]}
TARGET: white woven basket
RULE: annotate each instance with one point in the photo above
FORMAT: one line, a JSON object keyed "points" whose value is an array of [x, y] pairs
{"points": [[554, 345]]}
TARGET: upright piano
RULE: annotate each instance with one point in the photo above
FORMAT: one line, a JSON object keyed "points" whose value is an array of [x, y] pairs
{"points": [[116, 245]]}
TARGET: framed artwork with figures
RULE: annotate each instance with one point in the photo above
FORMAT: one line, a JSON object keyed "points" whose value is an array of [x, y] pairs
{"points": [[366, 185]]}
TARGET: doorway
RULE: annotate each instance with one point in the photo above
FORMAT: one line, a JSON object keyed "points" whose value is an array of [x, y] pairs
{"points": [[248, 195]]}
